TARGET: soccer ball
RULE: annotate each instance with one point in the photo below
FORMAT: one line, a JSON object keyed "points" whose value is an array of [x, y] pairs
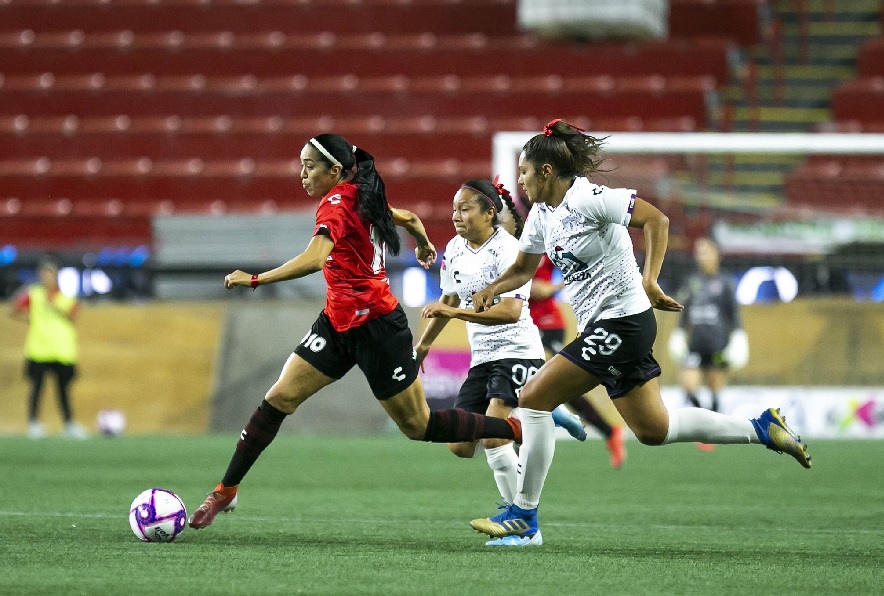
{"points": [[111, 423], [157, 515]]}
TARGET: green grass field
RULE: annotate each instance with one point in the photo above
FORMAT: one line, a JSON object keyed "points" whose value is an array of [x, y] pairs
{"points": [[387, 516]]}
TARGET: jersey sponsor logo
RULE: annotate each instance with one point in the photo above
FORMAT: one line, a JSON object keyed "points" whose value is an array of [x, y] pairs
{"points": [[568, 263], [334, 199]]}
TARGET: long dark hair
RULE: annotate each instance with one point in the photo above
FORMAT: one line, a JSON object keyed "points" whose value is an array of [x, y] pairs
{"points": [[564, 146], [371, 203], [494, 195]]}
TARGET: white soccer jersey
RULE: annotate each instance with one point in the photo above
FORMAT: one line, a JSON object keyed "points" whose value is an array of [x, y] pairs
{"points": [[466, 271], [586, 237]]}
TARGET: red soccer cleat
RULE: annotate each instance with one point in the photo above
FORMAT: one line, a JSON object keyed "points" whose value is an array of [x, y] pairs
{"points": [[616, 444], [222, 499]]}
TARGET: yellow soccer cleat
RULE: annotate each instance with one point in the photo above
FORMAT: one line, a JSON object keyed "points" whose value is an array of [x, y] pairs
{"points": [[776, 435]]}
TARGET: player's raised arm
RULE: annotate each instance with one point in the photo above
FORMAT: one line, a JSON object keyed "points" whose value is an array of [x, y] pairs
{"points": [[518, 274], [425, 251]]}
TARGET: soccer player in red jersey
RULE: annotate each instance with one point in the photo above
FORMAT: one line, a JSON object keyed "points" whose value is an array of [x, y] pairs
{"points": [[548, 317], [362, 323]]}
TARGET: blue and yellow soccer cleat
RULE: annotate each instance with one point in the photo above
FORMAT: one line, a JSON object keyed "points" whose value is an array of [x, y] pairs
{"points": [[773, 432], [514, 521], [515, 540], [563, 417]]}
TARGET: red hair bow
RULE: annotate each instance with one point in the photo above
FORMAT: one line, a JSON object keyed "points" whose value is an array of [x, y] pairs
{"points": [[548, 129], [499, 186]]}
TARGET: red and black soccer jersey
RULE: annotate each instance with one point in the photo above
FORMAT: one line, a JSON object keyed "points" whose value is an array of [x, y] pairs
{"points": [[545, 312], [358, 289]]}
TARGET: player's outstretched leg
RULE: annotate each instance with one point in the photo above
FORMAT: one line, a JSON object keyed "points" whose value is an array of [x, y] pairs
{"points": [[513, 521], [570, 422], [222, 499], [774, 433]]}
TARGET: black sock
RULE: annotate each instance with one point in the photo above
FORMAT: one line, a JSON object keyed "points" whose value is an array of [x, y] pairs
{"points": [[692, 397], [459, 426], [714, 407], [259, 432], [588, 412]]}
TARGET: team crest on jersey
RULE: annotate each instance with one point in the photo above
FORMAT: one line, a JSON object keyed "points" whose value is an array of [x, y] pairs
{"points": [[567, 262], [489, 273]]}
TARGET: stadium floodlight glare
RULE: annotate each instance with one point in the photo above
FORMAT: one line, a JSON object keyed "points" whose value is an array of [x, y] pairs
{"points": [[507, 145]]}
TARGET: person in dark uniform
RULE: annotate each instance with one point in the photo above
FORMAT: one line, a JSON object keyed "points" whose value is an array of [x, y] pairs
{"points": [[710, 339]]}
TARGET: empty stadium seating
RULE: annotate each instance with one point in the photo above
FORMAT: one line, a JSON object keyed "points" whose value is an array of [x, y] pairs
{"points": [[838, 185], [122, 109], [274, 53]]}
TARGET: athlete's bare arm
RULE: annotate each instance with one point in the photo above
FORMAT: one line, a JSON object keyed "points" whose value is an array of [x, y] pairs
{"points": [[518, 274], [425, 251], [655, 226], [310, 261]]}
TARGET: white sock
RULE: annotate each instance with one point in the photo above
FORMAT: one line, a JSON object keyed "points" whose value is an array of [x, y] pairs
{"points": [[535, 456], [705, 426], [503, 461]]}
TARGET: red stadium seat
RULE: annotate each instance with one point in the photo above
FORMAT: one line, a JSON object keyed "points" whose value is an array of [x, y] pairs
{"points": [[861, 99], [870, 60]]}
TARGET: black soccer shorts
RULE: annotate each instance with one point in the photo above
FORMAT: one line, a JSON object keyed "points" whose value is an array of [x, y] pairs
{"points": [[619, 352], [382, 348], [499, 379]]}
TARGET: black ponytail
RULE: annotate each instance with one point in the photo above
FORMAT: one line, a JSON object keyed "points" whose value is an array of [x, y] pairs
{"points": [[371, 201]]}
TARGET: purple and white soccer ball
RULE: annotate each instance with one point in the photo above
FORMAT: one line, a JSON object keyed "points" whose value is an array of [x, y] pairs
{"points": [[111, 423], [157, 515]]}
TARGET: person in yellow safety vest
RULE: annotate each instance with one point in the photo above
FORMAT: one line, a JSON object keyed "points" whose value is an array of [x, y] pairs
{"points": [[50, 345]]}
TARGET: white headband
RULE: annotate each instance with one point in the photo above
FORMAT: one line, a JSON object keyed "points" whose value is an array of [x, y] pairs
{"points": [[325, 152]]}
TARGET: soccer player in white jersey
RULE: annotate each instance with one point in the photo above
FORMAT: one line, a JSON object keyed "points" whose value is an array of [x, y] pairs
{"points": [[581, 226], [505, 344]]}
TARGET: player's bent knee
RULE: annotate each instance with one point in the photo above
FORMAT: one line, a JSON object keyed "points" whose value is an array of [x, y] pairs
{"points": [[284, 401], [649, 436]]}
